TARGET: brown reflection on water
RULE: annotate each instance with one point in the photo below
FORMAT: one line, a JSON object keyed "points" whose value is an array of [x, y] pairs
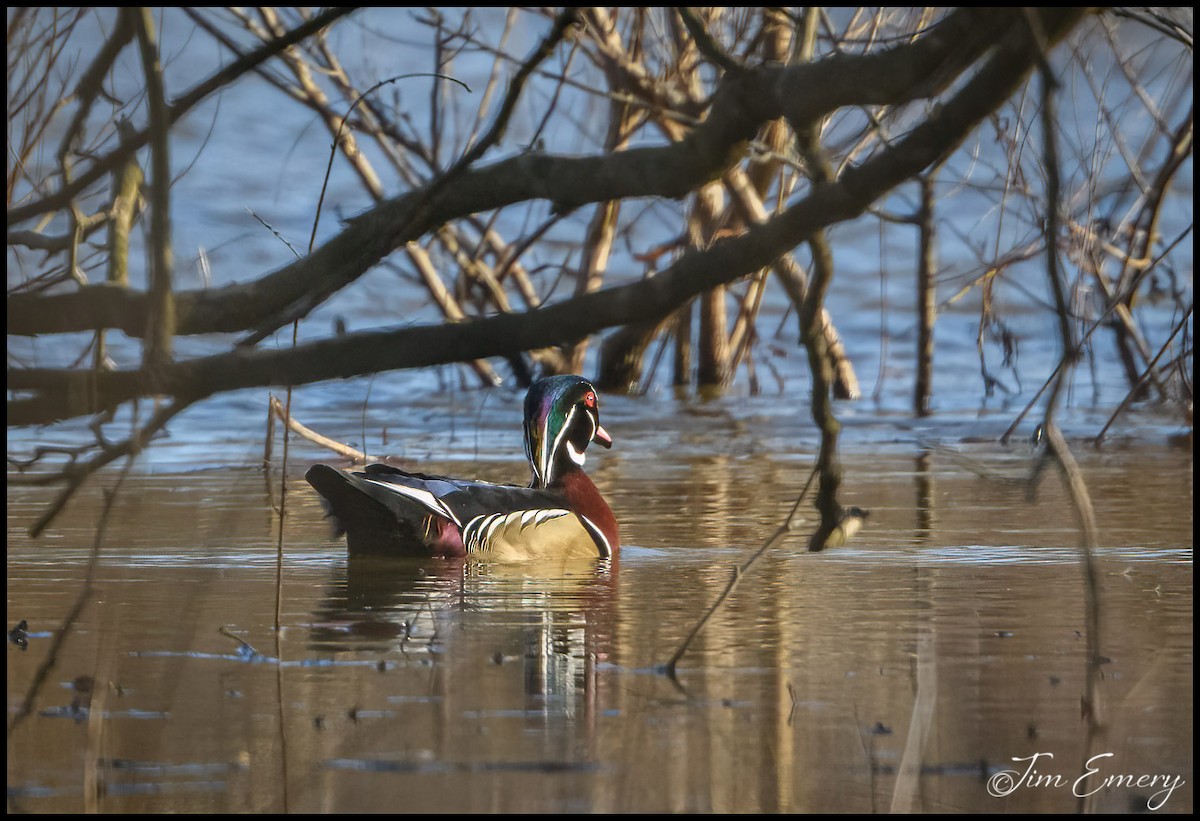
{"points": [[901, 672]]}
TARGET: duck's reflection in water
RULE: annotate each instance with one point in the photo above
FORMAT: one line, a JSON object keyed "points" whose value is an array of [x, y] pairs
{"points": [[551, 620]]}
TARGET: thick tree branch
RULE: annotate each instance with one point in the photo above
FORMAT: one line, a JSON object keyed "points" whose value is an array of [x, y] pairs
{"points": [[740, 107], [567, 321]]}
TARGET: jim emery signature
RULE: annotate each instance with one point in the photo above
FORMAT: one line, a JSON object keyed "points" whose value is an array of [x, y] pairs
{"points": [[1006, 782]]}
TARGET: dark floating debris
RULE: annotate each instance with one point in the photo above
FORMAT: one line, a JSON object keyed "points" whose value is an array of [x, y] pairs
{"points": [[394, 766]]}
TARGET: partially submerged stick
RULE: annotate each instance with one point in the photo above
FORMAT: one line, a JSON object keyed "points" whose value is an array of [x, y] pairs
{"points": [[312, 436], [851, 522]]}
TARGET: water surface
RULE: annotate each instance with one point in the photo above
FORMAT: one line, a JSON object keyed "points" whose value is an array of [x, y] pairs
{"points": [[903, 671]]}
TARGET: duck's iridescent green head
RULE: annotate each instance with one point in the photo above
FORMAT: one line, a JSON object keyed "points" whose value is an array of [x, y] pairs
{"points": [[562, 417]]}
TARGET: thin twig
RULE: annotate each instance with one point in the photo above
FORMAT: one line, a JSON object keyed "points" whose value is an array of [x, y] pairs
{"points": [[1145, 376], [81, 600], [75, 475], [338, 136], [417, 211], [181, 106], [789, 524]]}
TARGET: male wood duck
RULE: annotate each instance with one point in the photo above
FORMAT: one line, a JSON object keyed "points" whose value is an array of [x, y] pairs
{"points": [[560, 515]]}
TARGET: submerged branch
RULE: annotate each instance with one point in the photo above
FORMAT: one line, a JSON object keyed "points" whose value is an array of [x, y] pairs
{"points": [[790, 524], [1056, 445]]}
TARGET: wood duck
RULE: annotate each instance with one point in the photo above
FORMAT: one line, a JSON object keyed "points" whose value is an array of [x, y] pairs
{"points": [[561, 514]]}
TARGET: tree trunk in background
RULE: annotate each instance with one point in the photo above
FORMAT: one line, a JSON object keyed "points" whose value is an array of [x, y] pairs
{"points": [[597, 244], [926, 299], [622, 354], [681, 372], [712, 347]]}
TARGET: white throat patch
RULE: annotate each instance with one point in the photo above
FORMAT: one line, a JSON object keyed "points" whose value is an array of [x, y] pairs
{"points": [[576, 456]]}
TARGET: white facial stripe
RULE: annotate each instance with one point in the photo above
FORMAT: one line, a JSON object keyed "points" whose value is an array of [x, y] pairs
{"points": [[543, 457], [547, 458], [423, 497]]}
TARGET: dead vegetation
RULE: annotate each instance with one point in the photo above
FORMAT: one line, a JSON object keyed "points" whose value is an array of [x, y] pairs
{"points": [[756, 130]]}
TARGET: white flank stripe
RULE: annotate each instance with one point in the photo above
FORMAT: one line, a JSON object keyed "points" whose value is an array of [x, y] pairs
{"points": [[549, 514], [495, 524], [473, 532], [605, 547], [478, 533]]}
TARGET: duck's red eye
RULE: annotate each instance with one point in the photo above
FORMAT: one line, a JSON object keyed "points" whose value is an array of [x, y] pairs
{"points": [[589, 399]]}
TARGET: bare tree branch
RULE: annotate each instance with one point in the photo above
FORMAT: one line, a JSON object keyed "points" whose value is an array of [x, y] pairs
{"points": [[66, 393], [185, 103], [740, 107]]}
